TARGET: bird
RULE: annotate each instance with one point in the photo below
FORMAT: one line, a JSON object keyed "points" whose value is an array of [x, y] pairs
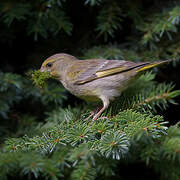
{"points": [[95, 80]]}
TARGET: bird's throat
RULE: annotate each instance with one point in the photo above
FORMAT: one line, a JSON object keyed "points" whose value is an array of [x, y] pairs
{"points": [[54, 74]]}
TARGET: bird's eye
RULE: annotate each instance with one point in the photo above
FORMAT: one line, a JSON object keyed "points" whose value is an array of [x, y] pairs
{"points": [[48, 64]]}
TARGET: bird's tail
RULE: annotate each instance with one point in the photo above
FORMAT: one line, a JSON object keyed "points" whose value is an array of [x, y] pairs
{"points": [[151, 65]]}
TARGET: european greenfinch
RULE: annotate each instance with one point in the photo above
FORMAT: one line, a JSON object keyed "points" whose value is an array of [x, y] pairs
{"points": [[95, 79]]}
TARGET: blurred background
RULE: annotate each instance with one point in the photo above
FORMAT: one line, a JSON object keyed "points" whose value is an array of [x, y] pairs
{"points": [[31, 31]]}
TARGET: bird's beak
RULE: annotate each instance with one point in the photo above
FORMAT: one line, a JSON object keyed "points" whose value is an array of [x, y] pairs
{"points": [[42, 69]]}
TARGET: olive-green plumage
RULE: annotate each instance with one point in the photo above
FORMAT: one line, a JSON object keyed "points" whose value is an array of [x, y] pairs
{"points": [[95, 79]]}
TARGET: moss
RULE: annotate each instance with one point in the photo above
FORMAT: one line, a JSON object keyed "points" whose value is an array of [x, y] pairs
{"points": [[40, 78]]}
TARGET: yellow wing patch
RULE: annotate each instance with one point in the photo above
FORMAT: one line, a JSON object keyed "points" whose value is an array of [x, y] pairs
{"points": [[149, 66], [110, 71]]}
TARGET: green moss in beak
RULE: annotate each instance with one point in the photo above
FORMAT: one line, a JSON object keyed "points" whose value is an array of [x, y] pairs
{"points": [[40, 78]]}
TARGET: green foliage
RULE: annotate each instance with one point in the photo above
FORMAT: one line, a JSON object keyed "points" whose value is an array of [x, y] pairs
{"points": [[11, 85], [162, 23], [109, 20], [39, 78], [163, 154], [105, 52], [93, 2], [14, 12], [150, 34], [90, 141], [78, 145], [14, 91], [40, 17]]}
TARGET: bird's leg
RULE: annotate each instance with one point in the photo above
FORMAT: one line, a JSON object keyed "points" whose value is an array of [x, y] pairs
{"points": [[105, 106], [94, 112]]}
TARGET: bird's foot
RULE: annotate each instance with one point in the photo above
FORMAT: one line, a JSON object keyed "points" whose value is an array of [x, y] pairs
{"points": [[95, 118], [103, 117], [96, 114], [93, 113]]}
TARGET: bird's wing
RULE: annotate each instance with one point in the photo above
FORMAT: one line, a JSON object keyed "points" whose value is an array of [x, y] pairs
{"points": [[88, 70]]}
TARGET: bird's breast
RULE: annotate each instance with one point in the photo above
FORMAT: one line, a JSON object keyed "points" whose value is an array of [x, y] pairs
{"points": [[85, 92], [109, 87]]}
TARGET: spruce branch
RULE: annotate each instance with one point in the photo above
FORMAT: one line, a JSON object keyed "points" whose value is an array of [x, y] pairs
{"points": [[162, 154], [109, 20], [51, 21], [14, 11], [126, 124], [165, 96], [161, 23], [83, 171], [114, 144], [93, 2]]}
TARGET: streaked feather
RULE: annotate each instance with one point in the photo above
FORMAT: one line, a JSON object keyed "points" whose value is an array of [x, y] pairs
{"points": [[84, 71]]}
